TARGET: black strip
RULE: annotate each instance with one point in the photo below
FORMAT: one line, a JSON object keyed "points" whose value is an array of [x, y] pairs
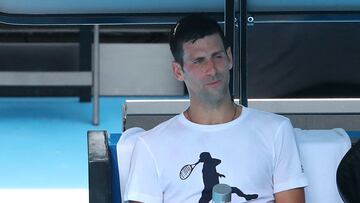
{"points": [[85, 58], [99, 167], [91, 19], [229, 17], [305, 17]]}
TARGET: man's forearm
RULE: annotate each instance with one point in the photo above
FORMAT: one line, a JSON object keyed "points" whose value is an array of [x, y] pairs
{"points": [[296, 195]]}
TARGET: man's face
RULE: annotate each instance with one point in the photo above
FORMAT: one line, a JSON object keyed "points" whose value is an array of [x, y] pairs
{"points": [[205, 69]]}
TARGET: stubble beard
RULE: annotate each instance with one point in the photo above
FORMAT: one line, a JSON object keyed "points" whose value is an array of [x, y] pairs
{"points": [[215, 97]]}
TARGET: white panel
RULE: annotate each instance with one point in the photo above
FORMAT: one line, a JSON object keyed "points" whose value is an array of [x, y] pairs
{"points": [[137, 69], [54, 78], [282, 106]]}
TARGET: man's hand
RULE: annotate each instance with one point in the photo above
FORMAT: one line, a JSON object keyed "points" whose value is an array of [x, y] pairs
{"points": [[290, 196], [221, 175]]}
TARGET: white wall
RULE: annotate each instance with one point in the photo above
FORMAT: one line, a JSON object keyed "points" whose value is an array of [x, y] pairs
{"points": [[137, 69]]}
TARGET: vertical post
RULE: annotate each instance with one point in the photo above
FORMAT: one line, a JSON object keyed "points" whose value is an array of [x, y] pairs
{"points": [[243, 62], [96, 75], [229, 17], [229, 30]]}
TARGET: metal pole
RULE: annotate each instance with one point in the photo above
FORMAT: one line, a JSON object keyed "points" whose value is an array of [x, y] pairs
{"points": [[96, 75], [243, 62]]}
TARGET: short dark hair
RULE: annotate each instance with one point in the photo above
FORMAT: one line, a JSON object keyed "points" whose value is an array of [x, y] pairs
{"points": [[192, 28]]}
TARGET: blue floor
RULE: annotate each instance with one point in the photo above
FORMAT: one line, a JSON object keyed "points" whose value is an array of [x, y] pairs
{"points": [[43, 141]]}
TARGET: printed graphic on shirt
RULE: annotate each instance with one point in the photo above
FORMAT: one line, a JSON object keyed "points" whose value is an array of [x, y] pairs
{"points": [[210, 177]]}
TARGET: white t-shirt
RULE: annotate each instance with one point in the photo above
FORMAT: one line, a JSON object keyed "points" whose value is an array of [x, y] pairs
{"points": [[256, 153]]}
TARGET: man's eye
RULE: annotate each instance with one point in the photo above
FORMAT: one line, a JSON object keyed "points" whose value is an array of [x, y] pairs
{"points": [[219, 56], [198, 61]]}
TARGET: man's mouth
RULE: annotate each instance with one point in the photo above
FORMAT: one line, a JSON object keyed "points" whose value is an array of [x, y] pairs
{"points": [[213, 83]]}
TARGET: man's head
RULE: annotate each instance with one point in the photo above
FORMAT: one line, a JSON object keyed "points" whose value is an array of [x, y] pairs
{"points": [[201, 59], [192, 28], [205, 156]]}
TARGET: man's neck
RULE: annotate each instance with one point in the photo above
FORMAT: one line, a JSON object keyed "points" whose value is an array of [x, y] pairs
{"points": [[209, 114]]}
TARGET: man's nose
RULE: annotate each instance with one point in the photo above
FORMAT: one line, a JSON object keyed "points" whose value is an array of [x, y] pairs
{"points": [[210, 68]]}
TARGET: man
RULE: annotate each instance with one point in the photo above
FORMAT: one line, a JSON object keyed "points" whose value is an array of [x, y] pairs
{"points": [[254, 152]]}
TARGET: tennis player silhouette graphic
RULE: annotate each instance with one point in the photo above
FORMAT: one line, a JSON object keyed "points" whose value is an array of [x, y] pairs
{"points": [[210, 177]]}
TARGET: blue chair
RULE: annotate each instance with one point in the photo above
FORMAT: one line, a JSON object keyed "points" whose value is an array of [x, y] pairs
{"points": [[113, 139]]}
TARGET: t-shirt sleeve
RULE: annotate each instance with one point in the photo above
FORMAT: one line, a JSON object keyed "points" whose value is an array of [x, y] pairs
{"points": [[143, 182], [288, 172]]}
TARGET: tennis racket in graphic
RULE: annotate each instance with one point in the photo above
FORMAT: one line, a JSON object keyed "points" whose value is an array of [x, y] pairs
{"points": [[186, 170]]}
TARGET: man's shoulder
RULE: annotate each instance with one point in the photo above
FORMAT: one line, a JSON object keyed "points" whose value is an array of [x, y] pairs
{"points": [[265, 116], [269, 124]]}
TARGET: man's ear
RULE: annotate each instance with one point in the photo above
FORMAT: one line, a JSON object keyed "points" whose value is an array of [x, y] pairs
{"points": [[177, 71], [229, 55]]}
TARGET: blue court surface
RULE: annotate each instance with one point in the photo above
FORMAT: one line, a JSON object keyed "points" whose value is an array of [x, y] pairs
{"points": [[43, 147]]}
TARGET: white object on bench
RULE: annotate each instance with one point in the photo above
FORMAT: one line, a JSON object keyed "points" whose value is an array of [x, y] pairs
{"points": [[321, 152]]}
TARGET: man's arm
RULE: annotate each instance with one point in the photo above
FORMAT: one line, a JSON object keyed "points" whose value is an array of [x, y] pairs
{"points": [[290, 196]]}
